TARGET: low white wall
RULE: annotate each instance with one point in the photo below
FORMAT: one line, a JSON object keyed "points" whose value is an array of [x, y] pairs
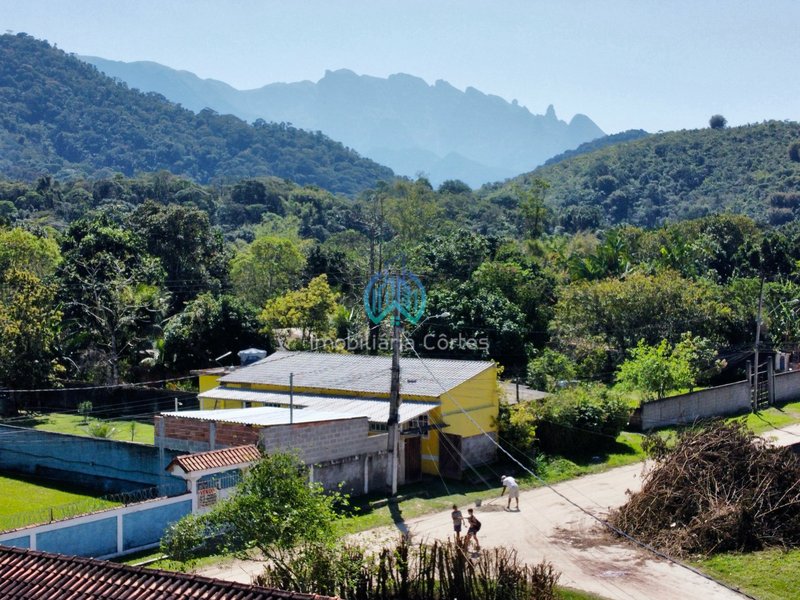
{"points": [[676, 410], [787, 386]]}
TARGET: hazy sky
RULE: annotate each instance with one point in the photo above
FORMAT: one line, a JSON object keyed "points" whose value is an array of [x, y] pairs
{"points": [[626, 64]]}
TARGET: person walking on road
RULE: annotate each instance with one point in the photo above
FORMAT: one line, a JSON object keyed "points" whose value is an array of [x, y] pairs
{"points": [[510, 484], [458, 520], [472, 532]]}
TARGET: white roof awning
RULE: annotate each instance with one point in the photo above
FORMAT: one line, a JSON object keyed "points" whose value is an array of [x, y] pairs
{"points": [[376, 411]]}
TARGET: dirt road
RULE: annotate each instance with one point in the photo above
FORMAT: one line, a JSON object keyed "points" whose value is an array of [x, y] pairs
{"points": [[548, 527]]}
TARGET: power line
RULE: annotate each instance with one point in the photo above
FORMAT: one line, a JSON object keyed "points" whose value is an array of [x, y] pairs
{"points": [[603, 522], [97, 387]]}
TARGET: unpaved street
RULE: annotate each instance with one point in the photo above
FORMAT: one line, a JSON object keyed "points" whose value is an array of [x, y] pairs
{"points": [[550, 528]]}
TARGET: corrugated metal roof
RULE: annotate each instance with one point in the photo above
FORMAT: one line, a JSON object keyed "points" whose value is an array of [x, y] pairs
{"points": [[263, 415], [376, 411], [358, 373], [35, 575], [214, 459]]}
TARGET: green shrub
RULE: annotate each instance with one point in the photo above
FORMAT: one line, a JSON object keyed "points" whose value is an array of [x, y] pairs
{"points": [[580, 419], [517, 431], [186, 539], [101, 429], [84, 410], [546, 370]]}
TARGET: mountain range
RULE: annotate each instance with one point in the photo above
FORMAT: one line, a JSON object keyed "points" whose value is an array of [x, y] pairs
{"points": [[61, 116], [400, 121]]}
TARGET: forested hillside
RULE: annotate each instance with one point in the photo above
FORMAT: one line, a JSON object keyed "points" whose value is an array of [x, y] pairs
{"points": [[400, 121], [752, 170], [59, 116], [189, 272]]}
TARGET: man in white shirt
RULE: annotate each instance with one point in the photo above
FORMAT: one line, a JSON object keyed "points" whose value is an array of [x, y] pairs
{"points": [[510, 484]]}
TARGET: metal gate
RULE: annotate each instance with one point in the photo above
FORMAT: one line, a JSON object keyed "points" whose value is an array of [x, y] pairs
{"points": [[762, 395]]}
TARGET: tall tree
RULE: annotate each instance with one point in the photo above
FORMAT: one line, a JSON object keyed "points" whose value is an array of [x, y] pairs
{"points": [[189, 249], [209, 327], [310, 309], [266, 268], [112, 295], [532, 209], [21, 249], [29, 321]]}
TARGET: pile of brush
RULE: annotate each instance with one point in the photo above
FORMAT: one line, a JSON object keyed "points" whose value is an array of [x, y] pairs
{"points": [[720, 488]]}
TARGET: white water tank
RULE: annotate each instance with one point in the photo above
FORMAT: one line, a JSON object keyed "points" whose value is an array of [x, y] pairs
{"points": [[251, 355]]}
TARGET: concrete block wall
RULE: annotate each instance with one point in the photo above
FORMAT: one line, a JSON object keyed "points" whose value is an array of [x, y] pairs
{"points": [[478, 450], [320, 442], [106, 466], [347, 473], [719, 401], [336, 449], [194, 435], [191, 435], [787, 386]]}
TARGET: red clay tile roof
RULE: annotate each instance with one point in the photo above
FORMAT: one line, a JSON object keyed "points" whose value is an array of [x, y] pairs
{"points": [[34, 575], [214, 459]]}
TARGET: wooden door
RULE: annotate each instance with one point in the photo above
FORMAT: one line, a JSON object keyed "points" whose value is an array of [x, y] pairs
{"points": [[413, 458]]}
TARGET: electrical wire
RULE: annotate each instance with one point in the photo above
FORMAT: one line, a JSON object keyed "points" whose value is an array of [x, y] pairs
{"points": [[603, 522], [96, 387]]}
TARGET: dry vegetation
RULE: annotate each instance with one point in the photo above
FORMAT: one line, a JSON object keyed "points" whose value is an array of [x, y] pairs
{"points": [[718, 489]]}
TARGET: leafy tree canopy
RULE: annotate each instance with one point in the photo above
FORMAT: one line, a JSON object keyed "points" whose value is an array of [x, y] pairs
{"points": [[273, 508], [209, 327], [310, 309]]}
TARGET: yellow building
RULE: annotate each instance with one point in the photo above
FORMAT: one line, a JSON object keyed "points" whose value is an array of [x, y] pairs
{"points": [[448, 411]]}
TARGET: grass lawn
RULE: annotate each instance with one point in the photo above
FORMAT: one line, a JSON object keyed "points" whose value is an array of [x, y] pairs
{"points": [[767, 575], [67, 423], [26, 501], [773, 417]]}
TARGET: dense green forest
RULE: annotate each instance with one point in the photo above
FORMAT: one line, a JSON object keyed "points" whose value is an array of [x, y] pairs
{"points": [[654, 248], [59, 116], [752, 170], [130, 278]]}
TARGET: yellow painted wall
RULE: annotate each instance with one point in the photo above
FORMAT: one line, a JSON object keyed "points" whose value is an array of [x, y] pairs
{"points": [[207, 382], [479, 397], [430, 447]]}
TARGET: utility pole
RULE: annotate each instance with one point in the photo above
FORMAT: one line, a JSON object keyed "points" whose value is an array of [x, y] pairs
{"points": [[394, 394], [758, 341], [291, 398]]}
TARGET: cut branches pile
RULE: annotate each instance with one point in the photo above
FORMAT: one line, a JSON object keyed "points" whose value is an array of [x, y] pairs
{"points": [[720, 488]]}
